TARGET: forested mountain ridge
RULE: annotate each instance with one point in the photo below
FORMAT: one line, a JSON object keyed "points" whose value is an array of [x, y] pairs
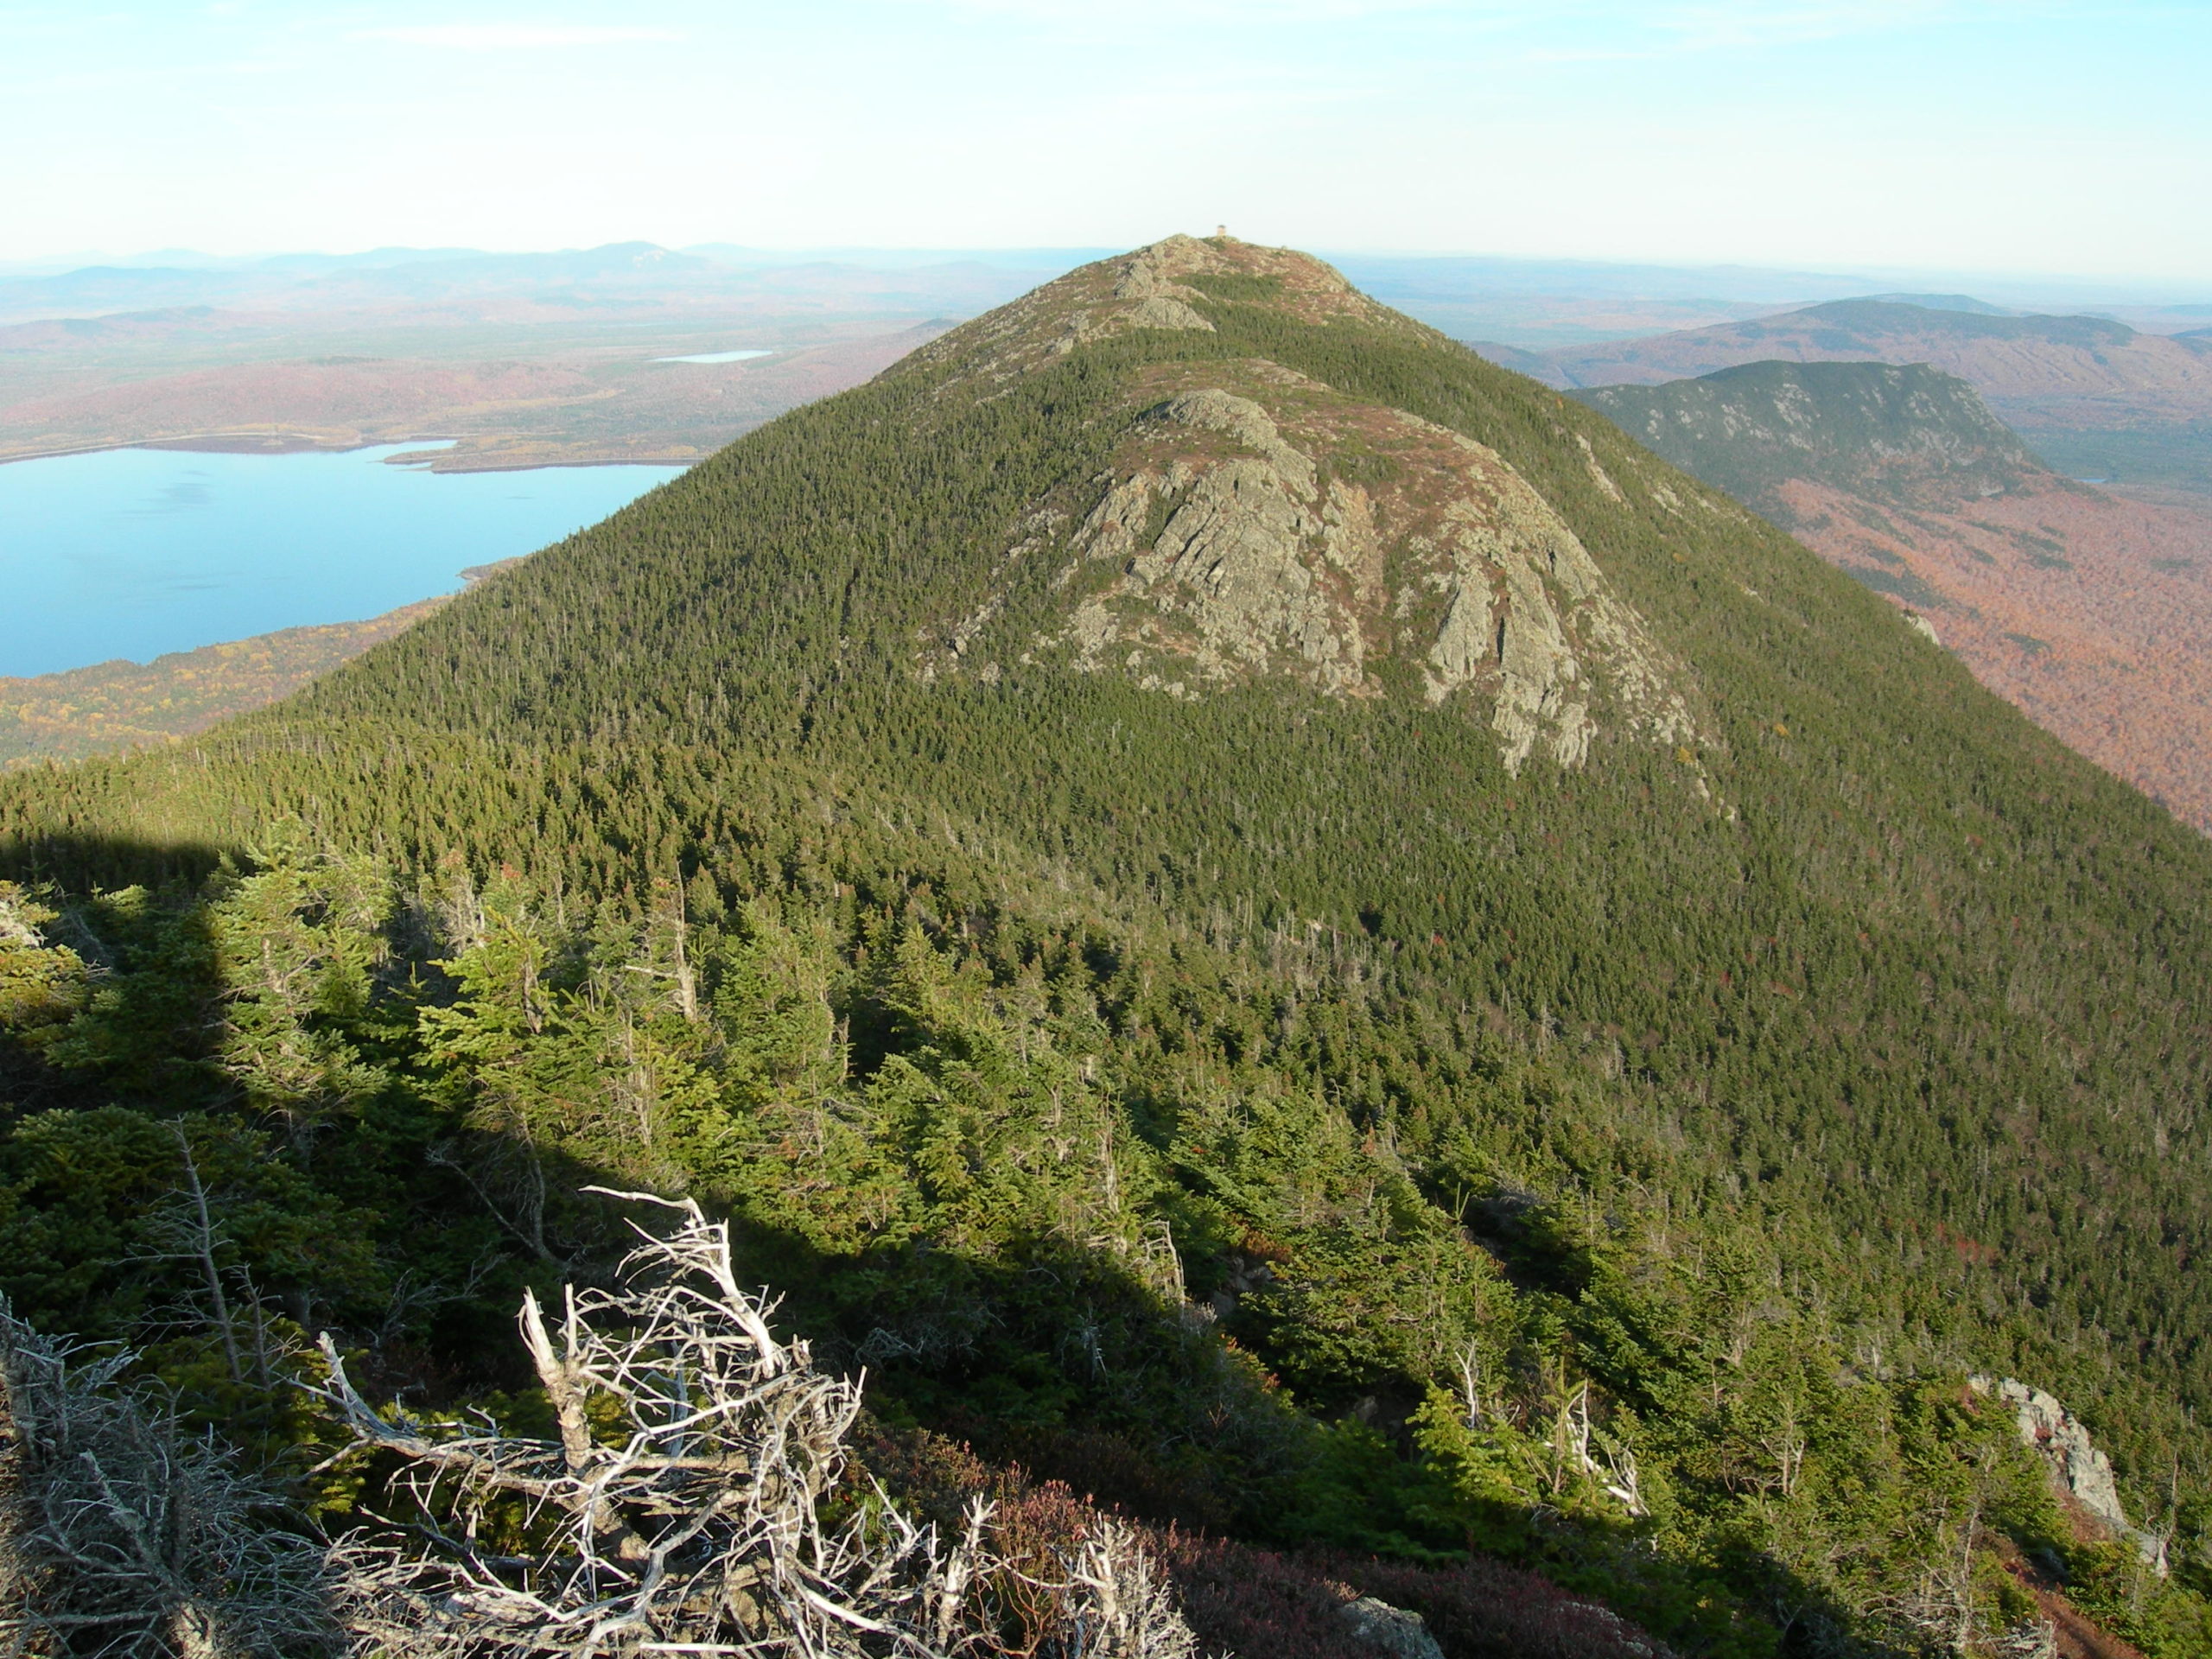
{"points": [[1680, 1103], [2094, 397], [1913, 435], [2091, 613]]}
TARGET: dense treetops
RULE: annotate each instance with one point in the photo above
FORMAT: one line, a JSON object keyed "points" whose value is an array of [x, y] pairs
{"points": [[1685, 1125]]}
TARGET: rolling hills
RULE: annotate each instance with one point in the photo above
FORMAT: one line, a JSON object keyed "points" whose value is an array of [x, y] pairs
{"points": [[1193, 806]]}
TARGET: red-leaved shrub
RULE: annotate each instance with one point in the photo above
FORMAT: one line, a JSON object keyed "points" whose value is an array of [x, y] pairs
{"points": [[1256, 1603], [1482, 1609]]}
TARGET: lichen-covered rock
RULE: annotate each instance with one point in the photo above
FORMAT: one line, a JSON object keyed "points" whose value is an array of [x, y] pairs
{"points": [[1246, 531]]}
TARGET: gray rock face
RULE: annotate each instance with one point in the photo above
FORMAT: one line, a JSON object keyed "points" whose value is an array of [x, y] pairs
{"points": [[2077, 1466], [1147, 295], [1233, 558], [1229, 562], [16, 929], [1392, 1629], [1254, 522], [1162, 312]]}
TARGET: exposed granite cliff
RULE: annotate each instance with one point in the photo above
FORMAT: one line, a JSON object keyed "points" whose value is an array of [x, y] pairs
{"points": [[1255, 521], [2077, 1468]]}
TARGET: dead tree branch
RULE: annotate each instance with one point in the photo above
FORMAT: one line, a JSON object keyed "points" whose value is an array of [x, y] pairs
{"points": [[698, 1500], [119, 1535]]}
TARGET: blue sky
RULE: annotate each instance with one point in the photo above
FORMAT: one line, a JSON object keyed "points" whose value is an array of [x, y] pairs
{"points": [[1947, 134]]}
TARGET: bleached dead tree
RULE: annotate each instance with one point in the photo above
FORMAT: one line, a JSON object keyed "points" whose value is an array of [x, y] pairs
{"points": [[121, 1535], [699, 1500], [1570, 1441], [1117, 1605]]}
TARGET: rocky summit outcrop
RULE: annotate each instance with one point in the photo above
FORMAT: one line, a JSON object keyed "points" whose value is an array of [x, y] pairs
{"points": [[1255, 521], [2078, 1470], [1160, 286]]}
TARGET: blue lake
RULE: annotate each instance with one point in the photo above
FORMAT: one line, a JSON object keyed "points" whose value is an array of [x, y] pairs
{"points": [[134, 552]]}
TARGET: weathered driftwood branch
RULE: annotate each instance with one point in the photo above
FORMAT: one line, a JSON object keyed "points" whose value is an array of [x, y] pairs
{"points": [[698, 1500]]}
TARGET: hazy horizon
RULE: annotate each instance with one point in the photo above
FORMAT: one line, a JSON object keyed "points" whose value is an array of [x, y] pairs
{"points": [[2001, 283], [2048, 139]]}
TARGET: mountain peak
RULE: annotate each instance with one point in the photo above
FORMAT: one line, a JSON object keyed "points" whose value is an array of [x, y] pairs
{"points": [[1160, 286], [1083, 762], [1251, 522]]}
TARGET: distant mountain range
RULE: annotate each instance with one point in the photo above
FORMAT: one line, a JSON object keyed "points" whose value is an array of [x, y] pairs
{"points": [[489, 286], [2094, 397], [2092, 614], [2006, 356]]}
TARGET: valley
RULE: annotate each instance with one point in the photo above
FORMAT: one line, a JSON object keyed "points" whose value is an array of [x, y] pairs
{"points": [[591, 403], [523, 361]]}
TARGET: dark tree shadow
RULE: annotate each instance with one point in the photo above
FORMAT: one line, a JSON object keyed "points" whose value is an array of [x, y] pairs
{"points": [[1052, 1355]]}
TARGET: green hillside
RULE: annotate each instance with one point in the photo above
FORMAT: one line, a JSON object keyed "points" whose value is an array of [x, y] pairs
{"points": [[1193, 806], [1912, 436]]}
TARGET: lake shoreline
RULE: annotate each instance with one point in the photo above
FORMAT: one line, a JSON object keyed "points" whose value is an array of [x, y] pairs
{"points": [[134, 552]]}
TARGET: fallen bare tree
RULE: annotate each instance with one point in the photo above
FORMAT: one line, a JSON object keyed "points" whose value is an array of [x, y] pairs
{"points": [[121, 1535], [699, 1500]]}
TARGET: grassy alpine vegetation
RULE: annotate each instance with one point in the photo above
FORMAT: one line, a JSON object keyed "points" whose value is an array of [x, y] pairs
{"points": [[1260, 1111]]}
